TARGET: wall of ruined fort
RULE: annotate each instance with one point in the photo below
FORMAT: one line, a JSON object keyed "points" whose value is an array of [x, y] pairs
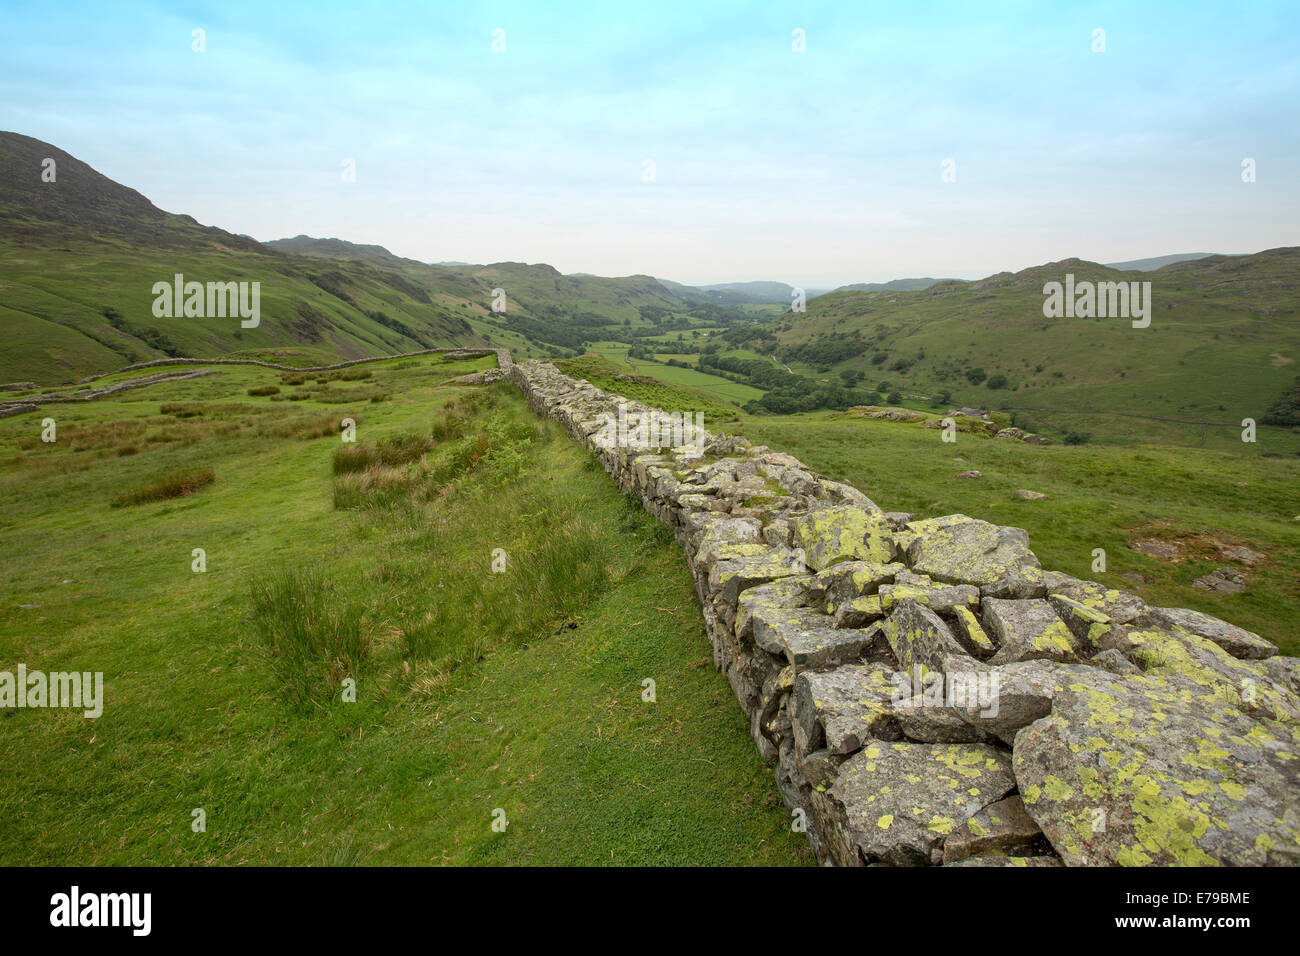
{"points": [[928, 694]]}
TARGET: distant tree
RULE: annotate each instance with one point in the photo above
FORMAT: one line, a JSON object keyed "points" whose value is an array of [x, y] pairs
{"points": [[975, 375], [997, 381], [895, 398], [944, 397]]}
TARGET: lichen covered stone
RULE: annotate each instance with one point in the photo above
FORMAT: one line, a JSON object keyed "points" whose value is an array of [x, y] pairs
{"points": [[956, 549], [843, 533], [897, 803]]}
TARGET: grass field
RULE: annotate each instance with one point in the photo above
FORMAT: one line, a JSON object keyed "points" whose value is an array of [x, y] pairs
{"points": [[714, 386], [476, 692]]}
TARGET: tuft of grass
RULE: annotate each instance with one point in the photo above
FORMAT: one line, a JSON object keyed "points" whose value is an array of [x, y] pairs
{"points": [[314, 426], [264, 390], [552, 574], [375, 486], [312, 633], [176, 484], [389, 453]]}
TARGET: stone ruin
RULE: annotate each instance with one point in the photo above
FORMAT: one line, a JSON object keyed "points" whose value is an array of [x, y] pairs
{"points": [[930, 696]]}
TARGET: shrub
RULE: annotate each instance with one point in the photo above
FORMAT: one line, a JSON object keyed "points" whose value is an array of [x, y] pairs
{"points": [[182, 409], [264, 390], [997, 381], [1077, 438]]}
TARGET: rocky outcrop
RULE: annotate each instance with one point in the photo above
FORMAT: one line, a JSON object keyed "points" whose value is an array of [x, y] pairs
{"points": [[929, 695]]}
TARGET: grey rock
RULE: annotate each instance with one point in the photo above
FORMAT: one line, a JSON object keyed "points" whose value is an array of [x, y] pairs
{"points": [[1158, 770], [896, 803], [840, 710], [1237, 641], [1028, 630], [1119, 606], [743, 566], [1115, 662], [805, 638], [843, 533], [956, 549], [788, 592], [919, 638], [1003, 826], [1008, 861], [1022, 693], [847, 580], [933, 723]]}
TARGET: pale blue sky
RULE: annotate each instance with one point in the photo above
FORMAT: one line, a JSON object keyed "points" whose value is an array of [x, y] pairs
{"points": [[816, 168]]}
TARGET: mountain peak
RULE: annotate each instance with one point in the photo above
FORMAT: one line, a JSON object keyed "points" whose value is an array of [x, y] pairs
{"points": [[48, 191]]}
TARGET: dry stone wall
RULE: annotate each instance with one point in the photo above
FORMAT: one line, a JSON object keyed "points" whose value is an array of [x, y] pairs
{"points": [[930, 695]]}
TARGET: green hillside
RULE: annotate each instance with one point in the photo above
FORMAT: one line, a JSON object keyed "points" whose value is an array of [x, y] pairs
{"points": [[1222, 345], [79, 257]]}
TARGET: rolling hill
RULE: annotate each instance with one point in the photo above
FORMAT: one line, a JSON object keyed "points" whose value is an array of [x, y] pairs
{"points": [[1222, 345], [79, 257], [1156, 262]]}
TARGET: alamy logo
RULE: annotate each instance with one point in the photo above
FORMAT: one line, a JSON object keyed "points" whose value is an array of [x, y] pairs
{"points": [[103, 909], [217, 300], [963, 690], [35, 689], [649, 429], [1086, 300]]}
